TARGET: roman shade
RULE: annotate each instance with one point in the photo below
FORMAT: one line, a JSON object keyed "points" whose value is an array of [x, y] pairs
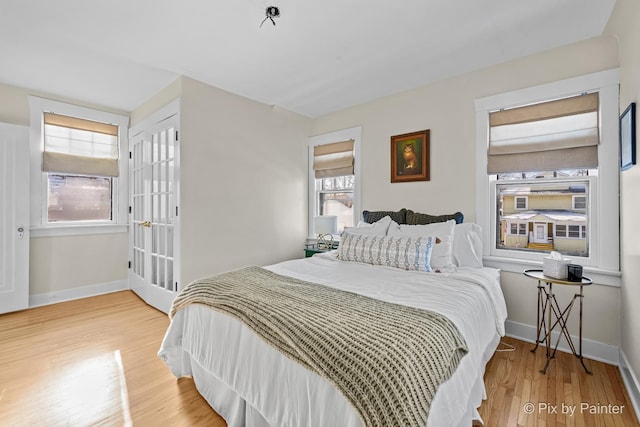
{"points": [[331, 160], [79, 146], [559, 134]]}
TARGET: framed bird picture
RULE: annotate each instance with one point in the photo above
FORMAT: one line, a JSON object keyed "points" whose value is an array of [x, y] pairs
{"points": [[410, 157]]}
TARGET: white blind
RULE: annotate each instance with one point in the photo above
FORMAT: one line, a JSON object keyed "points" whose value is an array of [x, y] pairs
{"points": [[79, 146], [560, 134], [331, 160]]}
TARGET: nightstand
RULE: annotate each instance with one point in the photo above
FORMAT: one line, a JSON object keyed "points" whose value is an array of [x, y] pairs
{"points": [[548, 306], [312, 250]]}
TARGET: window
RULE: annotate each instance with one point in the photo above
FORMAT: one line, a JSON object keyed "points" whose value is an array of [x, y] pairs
{"points": [[334, 177], [571, 231], [335, 197], [579, 203], [546, 151], [574, 231], [80, 160], [521, 202], [550, 208], [518, 229], [561, 230], [78, 198], [547, 168], [79, 180]]}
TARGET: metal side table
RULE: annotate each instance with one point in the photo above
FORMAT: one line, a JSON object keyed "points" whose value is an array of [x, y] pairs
{"points": [[549, 309]]}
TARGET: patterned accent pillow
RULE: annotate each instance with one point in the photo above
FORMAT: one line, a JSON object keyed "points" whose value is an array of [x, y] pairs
{"points": [[408, 253], [416, 218], [373, 216]]}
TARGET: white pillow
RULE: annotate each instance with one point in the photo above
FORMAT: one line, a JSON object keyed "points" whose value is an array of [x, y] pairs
{"points": [[442, 253], [408, 253], [467, 245], [378, 228]]}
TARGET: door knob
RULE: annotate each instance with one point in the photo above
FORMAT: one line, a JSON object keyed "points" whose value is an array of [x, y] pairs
{"points": [[146, 224]]}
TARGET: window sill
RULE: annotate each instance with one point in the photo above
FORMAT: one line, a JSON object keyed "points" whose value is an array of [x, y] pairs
{"points": [[77, 230], [598, 275]]}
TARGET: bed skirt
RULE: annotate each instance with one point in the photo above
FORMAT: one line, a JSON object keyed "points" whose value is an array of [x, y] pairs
{"points": [[222, 396]]}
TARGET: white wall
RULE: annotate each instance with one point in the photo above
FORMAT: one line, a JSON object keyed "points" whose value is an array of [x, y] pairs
{"points": [[243, 179], [67, 262], [447, 109], [624, 25]]}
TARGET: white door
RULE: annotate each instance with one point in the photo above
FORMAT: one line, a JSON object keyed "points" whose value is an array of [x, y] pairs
{"points": [[153, 274], [540, 233], [14, 218]]}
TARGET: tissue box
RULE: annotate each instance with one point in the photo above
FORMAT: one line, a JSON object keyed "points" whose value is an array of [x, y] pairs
{"points": [[558, 269]]}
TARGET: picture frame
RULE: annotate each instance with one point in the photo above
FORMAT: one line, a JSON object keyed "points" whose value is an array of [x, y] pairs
{"points": [[410, 157], [628, 137]]}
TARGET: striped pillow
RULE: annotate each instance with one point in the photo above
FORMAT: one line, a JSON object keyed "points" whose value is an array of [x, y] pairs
{"points": [[408, 253]]}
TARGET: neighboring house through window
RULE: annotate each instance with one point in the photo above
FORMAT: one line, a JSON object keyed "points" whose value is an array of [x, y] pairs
{"points": [[79, 169], [547, 165]]}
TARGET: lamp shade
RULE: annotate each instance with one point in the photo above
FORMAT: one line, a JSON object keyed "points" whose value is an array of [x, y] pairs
{"points": [[325, 224]]}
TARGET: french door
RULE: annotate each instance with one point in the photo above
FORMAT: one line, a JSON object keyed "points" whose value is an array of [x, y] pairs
{"points": [[14, 218], [154, 227]]}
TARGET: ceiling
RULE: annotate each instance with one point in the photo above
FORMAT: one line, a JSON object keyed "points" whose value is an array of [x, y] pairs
{"points": [[320, 57]]}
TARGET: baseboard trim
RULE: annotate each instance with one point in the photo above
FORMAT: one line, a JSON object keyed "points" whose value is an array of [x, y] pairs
{"points": [[590, 349], [630, 382], [46, 298]]}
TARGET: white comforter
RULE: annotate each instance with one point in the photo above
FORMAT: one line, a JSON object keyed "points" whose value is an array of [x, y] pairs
{"points": [[286, 394]]}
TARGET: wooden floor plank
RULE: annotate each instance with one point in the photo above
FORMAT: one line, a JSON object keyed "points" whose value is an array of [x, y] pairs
{"points": [[93, 362], [565, 396]]}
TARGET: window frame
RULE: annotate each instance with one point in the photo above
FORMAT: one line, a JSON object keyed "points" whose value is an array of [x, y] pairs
{"points": [[603, 263], [40, 226], [354, 133]]}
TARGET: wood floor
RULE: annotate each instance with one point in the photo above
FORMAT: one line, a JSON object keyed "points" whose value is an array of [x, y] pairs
{"points": [[519, 395], [93, 362]]}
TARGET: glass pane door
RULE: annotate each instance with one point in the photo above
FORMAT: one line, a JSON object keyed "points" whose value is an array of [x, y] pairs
{"points": [[163, 208], [138, 205], [154, 229]]}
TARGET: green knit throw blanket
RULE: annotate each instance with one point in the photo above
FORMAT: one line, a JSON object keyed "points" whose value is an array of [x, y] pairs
{"points": [[386, 359]]}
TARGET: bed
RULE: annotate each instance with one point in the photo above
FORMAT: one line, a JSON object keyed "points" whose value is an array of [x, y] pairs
{"points": [[250, 383]]}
